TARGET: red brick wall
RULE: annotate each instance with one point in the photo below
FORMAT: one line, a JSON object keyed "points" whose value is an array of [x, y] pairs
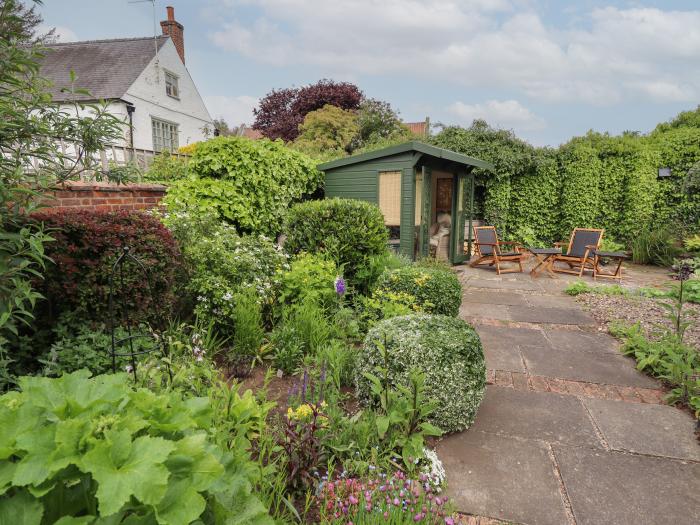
{"points": [[104, 196]]}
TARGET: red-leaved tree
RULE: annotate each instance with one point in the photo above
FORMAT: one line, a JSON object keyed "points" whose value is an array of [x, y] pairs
{"points": [[282, 110]]}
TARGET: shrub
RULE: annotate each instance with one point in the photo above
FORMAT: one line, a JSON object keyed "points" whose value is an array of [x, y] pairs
{"points": [[447, 350], [89, 345], [309, 276], [221, 264], [346, 230], [96, 449], [655, 247], [249, 184], [373, 267], [437, 291], [166, 168], [87, 244]]}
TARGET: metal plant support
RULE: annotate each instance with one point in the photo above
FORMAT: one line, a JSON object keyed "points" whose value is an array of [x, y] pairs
{"points": [[120, 315]]}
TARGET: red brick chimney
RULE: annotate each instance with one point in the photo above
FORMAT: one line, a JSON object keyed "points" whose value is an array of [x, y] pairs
{"points": [[175, 30]]}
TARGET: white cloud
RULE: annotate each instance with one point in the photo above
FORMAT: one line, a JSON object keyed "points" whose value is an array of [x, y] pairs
{"points": [[234, 110], [508, 114], [620, 53]]}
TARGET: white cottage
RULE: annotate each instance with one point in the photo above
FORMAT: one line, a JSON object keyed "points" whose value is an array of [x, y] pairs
{"points": [[144, 80]]}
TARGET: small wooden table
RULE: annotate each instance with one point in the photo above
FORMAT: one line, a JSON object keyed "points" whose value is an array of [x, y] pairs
{"points": [[616, 257], [545, 258]]}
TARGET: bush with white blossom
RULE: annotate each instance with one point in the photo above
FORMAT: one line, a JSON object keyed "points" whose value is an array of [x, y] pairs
{"points": [[446, 349]]}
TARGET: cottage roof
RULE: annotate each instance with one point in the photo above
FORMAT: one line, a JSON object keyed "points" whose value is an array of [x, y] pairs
{"points": [[105, 68], [419, 148]]}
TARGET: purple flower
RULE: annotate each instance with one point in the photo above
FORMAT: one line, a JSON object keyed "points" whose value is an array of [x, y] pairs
{"points": [[340, 285]]}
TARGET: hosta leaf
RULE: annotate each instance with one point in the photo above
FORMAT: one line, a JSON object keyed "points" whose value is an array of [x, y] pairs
{"points": [[141, 473], [21, 509]]}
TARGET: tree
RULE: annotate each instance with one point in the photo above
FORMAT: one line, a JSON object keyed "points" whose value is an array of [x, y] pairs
{"points": [[30, 129], [22, 22], [327, 132], [378, 123], [282, 111], [222, 127], [685, 119]]}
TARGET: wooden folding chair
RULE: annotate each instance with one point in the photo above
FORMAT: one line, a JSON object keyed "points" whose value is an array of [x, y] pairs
{"points": [[488, 250], [580, 254]]}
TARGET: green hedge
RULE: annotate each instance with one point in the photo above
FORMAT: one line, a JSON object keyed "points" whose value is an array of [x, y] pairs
{"points": [[347, 231], [598, 180]]}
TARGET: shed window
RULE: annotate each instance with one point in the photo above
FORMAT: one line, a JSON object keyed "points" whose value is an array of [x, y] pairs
{"points": [[164, 135], [171, 87], [390, 197]]}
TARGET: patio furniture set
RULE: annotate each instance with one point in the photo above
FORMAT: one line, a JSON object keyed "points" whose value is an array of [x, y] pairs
{"points": [[582, 254]]}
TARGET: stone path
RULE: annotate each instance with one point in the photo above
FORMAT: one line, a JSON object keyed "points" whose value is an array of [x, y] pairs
{"points": [[569, 432]]}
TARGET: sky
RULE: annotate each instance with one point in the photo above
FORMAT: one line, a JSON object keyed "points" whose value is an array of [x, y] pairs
{"points": [[548, 69]]}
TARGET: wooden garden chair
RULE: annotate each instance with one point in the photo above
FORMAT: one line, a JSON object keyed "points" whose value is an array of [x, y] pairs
{"points": [[488, 250], [580, 254]]}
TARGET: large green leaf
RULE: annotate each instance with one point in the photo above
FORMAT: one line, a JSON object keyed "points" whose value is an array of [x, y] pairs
{"points": [[123, 468], [20, 509]]}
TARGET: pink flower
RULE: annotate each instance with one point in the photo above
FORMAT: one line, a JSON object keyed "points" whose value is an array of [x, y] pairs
{"points": [[396, 501], [353, 500], [449, 521], [368, 507]]}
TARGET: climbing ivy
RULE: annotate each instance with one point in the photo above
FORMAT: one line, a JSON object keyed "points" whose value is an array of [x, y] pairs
{"points": [[597, 180]]}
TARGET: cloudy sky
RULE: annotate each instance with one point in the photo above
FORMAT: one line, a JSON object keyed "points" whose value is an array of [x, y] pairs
{"points": [[548, 69]]}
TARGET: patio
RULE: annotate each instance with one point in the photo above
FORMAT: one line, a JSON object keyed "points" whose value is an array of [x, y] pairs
{"points": [[569, 431]]}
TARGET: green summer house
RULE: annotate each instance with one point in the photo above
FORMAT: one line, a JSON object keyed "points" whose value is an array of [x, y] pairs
{"points": [[425, 193]]}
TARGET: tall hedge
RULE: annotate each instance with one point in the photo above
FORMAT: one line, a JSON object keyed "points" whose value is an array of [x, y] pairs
{"points": [[580, 171], [250, 184]]}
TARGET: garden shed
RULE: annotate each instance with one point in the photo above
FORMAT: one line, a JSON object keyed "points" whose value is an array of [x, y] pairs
{"points": [[425, 193]]}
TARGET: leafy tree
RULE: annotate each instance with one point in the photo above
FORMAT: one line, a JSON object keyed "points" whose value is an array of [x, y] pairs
{"points": [[327, 131], [223, 128], [282, 111], [685, 119], [378, 123], [29, 131], [22, 22]]}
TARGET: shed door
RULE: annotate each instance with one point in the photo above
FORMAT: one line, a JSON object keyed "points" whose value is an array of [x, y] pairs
{"points": [[424, 188], [458, 254]]}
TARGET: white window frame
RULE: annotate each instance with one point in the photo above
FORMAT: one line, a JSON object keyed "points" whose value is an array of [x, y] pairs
{"points": [[172, 84], [165, 134]]}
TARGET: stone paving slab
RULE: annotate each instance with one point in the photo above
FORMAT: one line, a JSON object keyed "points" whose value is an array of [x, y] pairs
{"points": [[646, 429], [502, 478], [503, 359], [503, 285], [535, 415], [491, 297], [480, 311], [552, 301], [504, 337], [580, 340], [584, 366], [625, 489], [529, 314]]}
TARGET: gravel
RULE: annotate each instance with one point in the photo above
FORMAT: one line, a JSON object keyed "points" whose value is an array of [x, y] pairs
{"points": [[646, 311]]}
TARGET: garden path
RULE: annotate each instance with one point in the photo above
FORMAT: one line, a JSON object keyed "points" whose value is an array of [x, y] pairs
{"points": [[569, 432]]}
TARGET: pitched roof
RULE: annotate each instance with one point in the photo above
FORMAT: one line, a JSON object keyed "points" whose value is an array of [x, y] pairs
{"points": [[106, 68], [419, 147]]}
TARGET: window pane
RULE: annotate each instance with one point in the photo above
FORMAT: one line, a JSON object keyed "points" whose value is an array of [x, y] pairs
{"points": [[390, 197]]}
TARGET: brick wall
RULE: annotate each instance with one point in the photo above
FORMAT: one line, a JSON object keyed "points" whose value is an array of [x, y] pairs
{"points": [[104, 196]]}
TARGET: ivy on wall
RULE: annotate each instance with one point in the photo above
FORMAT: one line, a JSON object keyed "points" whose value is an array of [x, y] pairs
{"points": [[598, 180]]}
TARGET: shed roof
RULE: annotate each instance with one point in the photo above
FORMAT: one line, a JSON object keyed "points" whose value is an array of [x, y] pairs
{"points": [[106, 68], [415, 146]]}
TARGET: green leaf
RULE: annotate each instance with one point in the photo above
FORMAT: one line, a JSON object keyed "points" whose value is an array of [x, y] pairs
{"points": [[382, 425], [181, 504], [69, 520], [429, 429], [123, 469], [21, 509]]}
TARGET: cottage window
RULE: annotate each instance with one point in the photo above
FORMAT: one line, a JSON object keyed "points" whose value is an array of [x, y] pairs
{"points": [[164, 135], [171, 87]]}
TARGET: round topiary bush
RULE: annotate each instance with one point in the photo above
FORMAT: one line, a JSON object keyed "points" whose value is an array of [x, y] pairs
{"points": [[437, 290], [446, 349], [348, 231]]}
